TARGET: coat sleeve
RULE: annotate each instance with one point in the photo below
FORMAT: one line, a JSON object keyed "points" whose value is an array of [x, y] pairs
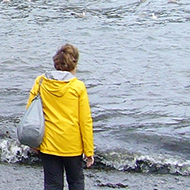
{"points": [[33, 91], [86, 124]]}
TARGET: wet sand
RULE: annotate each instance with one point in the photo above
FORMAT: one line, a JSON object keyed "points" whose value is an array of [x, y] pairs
{"points": [[27, 177]]}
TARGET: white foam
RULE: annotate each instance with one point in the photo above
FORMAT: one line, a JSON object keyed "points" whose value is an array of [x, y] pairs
{"points": [[146, 163], [11, 151]]}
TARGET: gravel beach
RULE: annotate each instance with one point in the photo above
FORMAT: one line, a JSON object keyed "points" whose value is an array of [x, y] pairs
{"points": [[27, 177]]}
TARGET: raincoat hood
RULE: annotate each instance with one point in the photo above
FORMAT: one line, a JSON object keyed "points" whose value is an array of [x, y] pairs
{"points": [[57, 82]]}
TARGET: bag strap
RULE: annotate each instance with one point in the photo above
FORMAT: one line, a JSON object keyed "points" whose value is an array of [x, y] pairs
{"points": [[40, 82]]}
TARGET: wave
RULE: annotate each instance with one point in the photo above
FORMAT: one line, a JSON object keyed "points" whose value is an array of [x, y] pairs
{"points": [[11, 151], [134, 162], [120, 13]]}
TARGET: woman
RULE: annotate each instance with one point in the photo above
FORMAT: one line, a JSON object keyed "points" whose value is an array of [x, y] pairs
{"points": [[68, 123]]}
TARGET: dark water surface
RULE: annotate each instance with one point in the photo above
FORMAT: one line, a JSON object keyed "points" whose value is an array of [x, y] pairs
{"points": [[134, 60]]}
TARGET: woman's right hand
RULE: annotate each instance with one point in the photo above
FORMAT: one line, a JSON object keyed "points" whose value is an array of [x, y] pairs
{"points": [[89, 161]]}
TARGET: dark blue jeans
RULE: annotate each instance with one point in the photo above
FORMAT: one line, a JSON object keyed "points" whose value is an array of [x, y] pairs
{"points": [[54, 167]]}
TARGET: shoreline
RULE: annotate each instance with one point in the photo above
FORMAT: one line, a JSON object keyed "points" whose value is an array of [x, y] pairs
{"points": [[30, 177]]}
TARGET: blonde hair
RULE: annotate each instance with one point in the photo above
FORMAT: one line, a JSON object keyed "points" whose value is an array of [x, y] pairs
{"points": [[66, 58]]}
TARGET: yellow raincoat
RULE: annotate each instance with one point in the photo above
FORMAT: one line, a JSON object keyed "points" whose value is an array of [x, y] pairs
{"points": [[68, 122]]}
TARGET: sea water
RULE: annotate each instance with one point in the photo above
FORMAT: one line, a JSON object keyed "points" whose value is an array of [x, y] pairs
{"points": [[134, 60]]}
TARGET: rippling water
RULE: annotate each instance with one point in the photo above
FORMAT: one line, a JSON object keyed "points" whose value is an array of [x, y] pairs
{"points": [[134, 59]]}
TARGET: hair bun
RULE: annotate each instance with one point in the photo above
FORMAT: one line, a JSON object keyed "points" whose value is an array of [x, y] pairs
{"points": [[66, 58]]}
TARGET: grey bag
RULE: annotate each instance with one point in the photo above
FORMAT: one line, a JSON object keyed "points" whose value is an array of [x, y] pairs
{"points": [[30, 130]]}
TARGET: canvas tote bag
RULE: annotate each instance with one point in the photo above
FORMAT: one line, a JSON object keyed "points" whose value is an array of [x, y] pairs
{"points": [[30, 130]]}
